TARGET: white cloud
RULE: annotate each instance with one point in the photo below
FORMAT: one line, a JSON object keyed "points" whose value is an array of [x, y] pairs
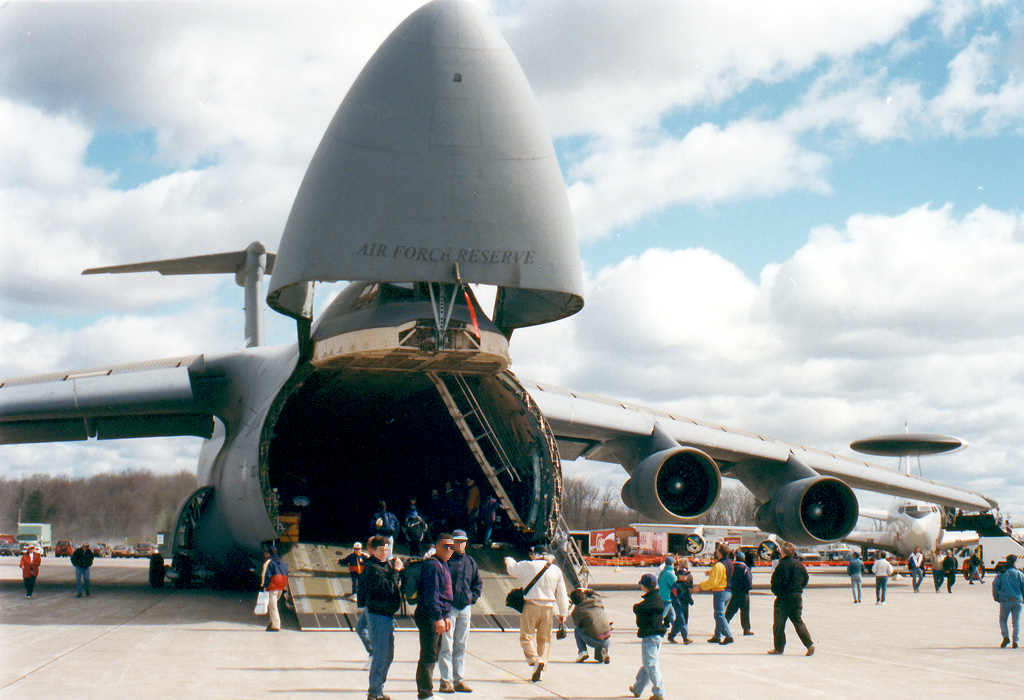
{"points": [[911, 317], [619, 183]]}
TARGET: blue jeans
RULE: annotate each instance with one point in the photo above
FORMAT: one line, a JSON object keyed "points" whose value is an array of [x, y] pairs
{"points": [[881, 583], [720, 599], [81, 574], [668, 613], [584, 640], [451, 662], [679, 624], [1005, 611], [364, 633], [649, 670], [382, 636], [916, 576], [855, 582]]}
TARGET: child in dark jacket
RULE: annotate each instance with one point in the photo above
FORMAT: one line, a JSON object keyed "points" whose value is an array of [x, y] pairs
{"points": [[650, 627], [682, 599]]}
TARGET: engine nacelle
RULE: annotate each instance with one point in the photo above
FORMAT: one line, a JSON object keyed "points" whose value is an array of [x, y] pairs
{"points": [[672, 485], [810, 511]]}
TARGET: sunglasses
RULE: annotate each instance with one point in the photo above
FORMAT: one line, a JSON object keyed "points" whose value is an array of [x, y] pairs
{"points": [[448, 546]]}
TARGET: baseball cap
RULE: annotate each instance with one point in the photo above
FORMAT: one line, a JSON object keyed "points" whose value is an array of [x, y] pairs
{"points": [[459, 535], [648, 581], [357, 545]]}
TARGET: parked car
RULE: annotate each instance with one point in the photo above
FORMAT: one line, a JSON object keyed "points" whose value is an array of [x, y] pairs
{"points": [[121, 551], [100, 549], [64, 548], [145, 549], [10, 549]]}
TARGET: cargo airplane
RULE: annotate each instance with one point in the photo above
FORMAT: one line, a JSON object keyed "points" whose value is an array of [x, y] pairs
{"points": [[436, 173]]}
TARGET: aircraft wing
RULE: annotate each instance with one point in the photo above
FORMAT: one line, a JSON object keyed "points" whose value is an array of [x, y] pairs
{"points": [[874, 513], [144, 399], [955, 540], [875, 540], [589, 426]]}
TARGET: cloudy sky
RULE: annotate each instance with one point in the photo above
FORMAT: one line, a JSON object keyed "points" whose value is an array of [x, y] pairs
{"points": [[798, 218]]}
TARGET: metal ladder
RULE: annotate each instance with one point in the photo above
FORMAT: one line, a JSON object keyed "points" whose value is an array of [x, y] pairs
{"points": [[474, 441], [567, 552]]}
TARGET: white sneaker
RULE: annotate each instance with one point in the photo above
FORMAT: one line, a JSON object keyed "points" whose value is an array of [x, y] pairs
{"points": [[582, 657]]}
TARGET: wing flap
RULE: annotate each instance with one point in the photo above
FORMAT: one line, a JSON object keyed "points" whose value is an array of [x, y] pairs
{"points": [[155, 399]]}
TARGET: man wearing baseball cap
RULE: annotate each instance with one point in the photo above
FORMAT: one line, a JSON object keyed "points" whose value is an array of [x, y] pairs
{"points": [[466, 589], [650, 627]]}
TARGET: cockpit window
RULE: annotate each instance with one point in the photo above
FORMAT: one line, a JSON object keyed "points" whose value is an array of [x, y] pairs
{"points": [[367, 298], [917, 511]]}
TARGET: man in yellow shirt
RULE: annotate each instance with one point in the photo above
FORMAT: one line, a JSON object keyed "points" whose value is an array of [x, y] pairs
{"points": [[717, 583]]}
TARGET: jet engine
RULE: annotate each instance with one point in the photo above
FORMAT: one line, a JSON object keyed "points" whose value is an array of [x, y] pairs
{"points": [[810, 511], [673, 484]]}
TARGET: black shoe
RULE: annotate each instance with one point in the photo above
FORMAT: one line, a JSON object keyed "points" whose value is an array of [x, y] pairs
{"points": [[87, 593], [423, 694], [537, 670], [1015, 645], [377, 697], [714, 640], [1006, 640], [687, 640], [727, 640], [748, 633]]}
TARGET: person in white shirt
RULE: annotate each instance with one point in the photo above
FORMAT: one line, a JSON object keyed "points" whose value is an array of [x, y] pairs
{"points": [[916, 563], [547, 594], [882, 570]]}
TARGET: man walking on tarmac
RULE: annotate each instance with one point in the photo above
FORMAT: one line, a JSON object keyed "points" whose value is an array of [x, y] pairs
{"points": [[788, 582], [547, 592], [466, 589], [81, 559]]}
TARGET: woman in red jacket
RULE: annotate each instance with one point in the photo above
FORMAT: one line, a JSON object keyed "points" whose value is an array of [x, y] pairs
{"points": [[30, 562]]}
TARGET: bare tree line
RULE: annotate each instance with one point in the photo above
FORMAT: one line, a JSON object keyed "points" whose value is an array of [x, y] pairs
{"points": [[586, 506], [130, 506]]}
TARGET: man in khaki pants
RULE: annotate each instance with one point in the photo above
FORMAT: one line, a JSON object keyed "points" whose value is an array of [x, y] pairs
{"points": [[546, 593]]}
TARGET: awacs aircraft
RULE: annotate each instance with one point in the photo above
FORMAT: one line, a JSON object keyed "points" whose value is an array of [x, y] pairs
{"points": [[435, 173], [909, 523]]}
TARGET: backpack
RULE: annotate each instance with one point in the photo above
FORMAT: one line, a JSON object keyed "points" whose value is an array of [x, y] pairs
{"points": [[415, 528]]}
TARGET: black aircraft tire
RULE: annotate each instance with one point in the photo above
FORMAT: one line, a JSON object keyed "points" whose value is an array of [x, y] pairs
{"points": [[156, 571]]}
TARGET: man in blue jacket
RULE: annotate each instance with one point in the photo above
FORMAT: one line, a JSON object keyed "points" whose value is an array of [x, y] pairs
{"points": [[740, 585], [434, 596], [1008, 591], [466, 589], [385, 523]]}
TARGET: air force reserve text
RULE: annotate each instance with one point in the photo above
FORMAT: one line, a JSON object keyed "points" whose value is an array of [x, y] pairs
{"points": [[438, 254]]}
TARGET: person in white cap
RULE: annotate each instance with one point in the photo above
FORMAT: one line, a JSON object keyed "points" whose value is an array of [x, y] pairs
{"points": [[466, 589]]}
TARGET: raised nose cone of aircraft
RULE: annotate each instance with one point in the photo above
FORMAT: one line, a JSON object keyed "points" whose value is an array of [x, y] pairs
{"points": [[437, 164]]}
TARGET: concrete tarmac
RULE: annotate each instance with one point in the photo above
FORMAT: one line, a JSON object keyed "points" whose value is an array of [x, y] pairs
{"points": [[129, 640]]}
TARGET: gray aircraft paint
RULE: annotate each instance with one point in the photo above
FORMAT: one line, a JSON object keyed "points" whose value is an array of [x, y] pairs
{"points": [[437, 157]]}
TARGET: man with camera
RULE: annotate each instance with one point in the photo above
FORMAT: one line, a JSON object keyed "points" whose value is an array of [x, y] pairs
{"points": [[546, 592]]}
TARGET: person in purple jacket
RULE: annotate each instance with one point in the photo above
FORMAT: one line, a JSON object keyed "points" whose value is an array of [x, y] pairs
{"points": [[434, 604]]}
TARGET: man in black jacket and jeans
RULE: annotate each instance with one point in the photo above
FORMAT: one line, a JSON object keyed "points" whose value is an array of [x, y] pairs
{"points": [[788, 582], [380, 592]]}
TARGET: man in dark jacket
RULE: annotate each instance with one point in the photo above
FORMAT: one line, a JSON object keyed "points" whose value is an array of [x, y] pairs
{"points": [[434, 596], [592, 628], [788, 582], [466, 589], [81, 559], [380, 592], [650, 627], [949, 567], [740, 585], [385, 523]]}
